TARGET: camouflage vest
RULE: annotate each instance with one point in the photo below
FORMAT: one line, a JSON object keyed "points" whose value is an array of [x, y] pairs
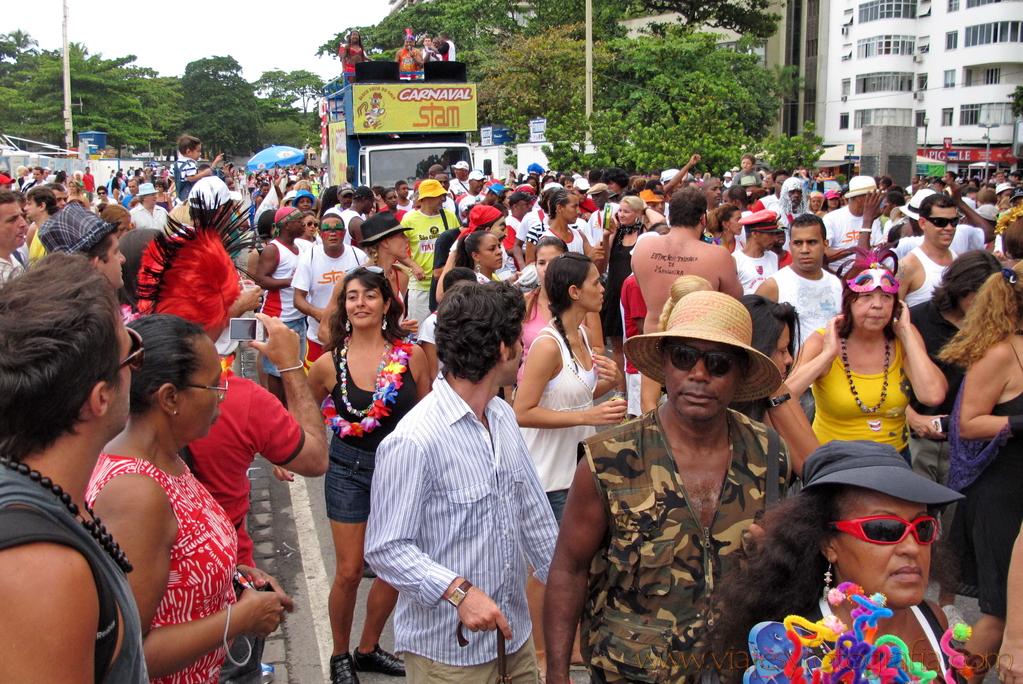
{"points": [[649, 598]]}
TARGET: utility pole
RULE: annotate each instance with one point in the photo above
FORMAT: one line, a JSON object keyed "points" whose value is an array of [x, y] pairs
{"points": [[68, 137], [589, 65]]}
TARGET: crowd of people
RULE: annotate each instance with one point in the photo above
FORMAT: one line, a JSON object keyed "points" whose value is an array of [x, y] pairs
{"points": [[560, 404]]}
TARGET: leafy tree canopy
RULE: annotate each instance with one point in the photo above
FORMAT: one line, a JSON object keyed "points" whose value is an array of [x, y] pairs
{"points": [[791, 152]]}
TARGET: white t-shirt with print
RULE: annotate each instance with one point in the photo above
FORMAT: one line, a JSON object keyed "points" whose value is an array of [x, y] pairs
{"points": [[316, 275]]}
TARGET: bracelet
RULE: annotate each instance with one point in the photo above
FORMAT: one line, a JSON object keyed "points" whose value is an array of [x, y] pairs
{"points": [[227, 648], [285, 370], [1016, 425]]}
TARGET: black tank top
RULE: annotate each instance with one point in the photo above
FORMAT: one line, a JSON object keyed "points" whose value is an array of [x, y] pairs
{"points": [[361, 399]]}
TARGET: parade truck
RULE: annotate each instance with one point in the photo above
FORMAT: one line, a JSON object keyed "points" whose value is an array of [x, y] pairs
{"points": [[380, 129]]}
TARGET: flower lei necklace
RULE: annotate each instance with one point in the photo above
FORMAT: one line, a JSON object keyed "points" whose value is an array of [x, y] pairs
{"points": [[392, 366]]}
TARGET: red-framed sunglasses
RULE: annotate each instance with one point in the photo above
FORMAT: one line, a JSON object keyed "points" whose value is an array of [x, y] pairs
{"points": [[888, 529]]}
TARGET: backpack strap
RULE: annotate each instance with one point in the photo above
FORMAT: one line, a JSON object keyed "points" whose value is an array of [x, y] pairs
{"points": [[22, 526]]}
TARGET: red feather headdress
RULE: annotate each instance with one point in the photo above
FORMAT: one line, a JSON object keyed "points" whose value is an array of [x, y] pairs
{"points": [[189, 272]]}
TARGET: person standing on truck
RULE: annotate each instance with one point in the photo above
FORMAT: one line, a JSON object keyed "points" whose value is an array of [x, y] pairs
{"points": [[352, 53], [409, 59], [424, 226]]}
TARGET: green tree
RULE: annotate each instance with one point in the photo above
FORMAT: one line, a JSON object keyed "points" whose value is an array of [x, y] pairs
{"points": [[667, 97], [791, 152], [221, 106], [746, 17], [1017, 101], [290, 87]]}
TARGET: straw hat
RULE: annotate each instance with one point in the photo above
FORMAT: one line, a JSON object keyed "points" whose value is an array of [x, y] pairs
{"points": [[714, 317]]}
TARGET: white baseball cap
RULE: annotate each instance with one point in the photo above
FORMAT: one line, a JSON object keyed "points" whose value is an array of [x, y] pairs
{"points": [[582, 184], [461, 165], [666, 176], [1002, 187], [476, 175]]}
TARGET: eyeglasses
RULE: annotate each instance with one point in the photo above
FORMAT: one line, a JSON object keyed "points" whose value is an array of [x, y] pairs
{"points": [[137, 353], [888, 529], [941, 222], [221, 391], [311, 224], [371, 269], [717, 363]]}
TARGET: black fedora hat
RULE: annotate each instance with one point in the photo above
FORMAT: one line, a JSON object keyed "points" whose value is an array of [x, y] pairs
{"points": [[379, 227]]}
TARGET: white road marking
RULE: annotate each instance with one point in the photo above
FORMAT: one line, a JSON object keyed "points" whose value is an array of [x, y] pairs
{"points": [[314, 571]]}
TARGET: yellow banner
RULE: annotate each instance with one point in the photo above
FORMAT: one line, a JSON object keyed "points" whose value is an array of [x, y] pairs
{"points": [[338, 142], [414, 108]]}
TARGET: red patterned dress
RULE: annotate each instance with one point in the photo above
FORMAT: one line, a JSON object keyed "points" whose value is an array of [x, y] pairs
{"points": [[202, 561]]}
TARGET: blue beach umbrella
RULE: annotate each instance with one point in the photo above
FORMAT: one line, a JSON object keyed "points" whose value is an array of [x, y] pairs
{"points": [[278, 155]]}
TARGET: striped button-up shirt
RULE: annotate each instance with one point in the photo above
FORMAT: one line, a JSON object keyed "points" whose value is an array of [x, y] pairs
{"points": [[452, 499]]}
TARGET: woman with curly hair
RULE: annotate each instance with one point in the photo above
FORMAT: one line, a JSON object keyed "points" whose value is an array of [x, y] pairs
{"points": [[863, 516], [863, 365], [989, 408]]}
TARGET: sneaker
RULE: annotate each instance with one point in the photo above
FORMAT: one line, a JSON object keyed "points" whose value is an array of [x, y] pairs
{"points": [[379, 660], [342, 671]]}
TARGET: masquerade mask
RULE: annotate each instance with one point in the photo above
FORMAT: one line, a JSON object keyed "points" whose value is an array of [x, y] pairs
{"points": [[877, 277]]}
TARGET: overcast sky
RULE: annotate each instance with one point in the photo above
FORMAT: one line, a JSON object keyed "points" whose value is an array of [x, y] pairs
{"points": [[261, 35]]}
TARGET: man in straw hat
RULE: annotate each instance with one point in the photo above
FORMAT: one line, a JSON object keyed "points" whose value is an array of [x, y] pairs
{"points": [[660, 505]]}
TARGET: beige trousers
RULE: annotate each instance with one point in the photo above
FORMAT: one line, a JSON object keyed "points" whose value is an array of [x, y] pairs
{"points": [[521, 667]]}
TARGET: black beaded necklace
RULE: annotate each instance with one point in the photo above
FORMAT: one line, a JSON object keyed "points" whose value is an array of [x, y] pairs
{"points": [[93, 526], [884, 385]]}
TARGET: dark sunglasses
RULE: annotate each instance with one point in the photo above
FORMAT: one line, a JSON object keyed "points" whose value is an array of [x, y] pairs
{"points": [[137, 353], [371, 269], [888, 529], [717, 363], [940, 222], [311, 224]]}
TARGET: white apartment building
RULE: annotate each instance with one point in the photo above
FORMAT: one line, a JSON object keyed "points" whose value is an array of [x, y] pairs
{"points": [[944, 66]]}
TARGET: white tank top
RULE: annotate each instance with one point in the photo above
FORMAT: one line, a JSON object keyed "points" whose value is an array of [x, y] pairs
{"points": [[554, 449], [281, 303], [576, 245], [816, 301], [933, 273]]}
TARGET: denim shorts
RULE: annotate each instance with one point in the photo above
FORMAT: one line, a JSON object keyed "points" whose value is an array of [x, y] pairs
{"points": [[348, 481], [558, 499], [299, 325]]}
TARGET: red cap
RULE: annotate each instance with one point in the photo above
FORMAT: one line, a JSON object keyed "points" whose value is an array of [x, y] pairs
{"points": [[761, 220], [5, 179]]}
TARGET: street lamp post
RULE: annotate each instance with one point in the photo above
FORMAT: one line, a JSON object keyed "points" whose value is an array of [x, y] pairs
{"points": [[926, 123], [987, 137]]}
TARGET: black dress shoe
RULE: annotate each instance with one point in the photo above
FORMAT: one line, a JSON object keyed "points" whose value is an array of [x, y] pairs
{"points": [[379, 660], [342, 671]]}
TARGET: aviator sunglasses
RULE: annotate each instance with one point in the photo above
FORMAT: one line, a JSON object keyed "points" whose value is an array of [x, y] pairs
{"points": [[717, 363], [888, 529]]}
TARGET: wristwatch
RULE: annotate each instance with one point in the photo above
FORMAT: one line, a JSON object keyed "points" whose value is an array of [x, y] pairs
{"points": [[775, 402], [459, 592]]}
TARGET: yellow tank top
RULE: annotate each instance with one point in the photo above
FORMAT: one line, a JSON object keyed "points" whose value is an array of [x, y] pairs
{"points": [[839, 417], [36, 250]]}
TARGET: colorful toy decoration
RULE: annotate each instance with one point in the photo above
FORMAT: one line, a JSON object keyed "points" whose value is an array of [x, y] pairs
{"points": [[853, 656]]}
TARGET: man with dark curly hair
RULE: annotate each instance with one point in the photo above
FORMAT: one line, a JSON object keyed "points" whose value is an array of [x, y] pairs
{"points": [[457, 506]]}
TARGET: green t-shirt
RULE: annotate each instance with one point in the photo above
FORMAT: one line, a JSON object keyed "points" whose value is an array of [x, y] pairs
{"points": [[423, 232]]}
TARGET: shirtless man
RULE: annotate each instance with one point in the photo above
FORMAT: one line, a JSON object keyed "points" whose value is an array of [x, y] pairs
{"points": [[658, 260]]}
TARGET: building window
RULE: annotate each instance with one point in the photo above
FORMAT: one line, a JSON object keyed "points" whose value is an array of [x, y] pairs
{"points": [[811, 48], [953, 5], [995, 32], [919, 117], [993, 112], [946, 116], [887, 9], [884, 81], [967, 77], [952, 40], [885, 45], [921, 81], [846, 87], [882, 117], [950, 78], [993, 76], [978, 3], [843, 121]]}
